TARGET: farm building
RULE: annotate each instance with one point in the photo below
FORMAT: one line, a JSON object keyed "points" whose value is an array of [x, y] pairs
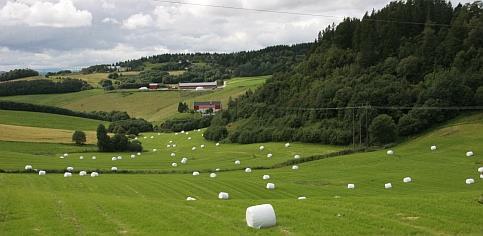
{"points": [[198, 86], [153, 86], [204, 106]]}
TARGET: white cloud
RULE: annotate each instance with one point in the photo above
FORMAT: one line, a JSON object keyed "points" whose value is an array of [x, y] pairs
{"points": [[61, 14], [137, 21], [109, 20]]}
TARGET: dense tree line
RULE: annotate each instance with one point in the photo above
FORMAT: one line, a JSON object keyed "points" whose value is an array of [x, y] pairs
{"points": [[43, 86], [117, 143], [17, 74], [177, 125], [96, 115], [130, 126], [104, 68], [58, 73], [375, 61]]}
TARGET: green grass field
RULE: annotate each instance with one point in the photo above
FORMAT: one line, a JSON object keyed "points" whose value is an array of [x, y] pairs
{"points": [[153, 106], [437, 202], [45, 120]]}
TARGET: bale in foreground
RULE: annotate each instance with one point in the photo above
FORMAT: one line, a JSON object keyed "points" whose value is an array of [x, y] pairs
{"points": [[261, 216]]}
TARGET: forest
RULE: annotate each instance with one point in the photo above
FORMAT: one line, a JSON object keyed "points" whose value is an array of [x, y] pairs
{"points": [[17, 74], [43, 86], [392, 70]]}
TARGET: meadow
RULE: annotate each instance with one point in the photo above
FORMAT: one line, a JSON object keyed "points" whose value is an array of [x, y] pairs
{"points": [[152, 106], [437, 201]]}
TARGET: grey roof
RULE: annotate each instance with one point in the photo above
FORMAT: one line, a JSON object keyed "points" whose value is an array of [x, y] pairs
{"points": [[198, 84]]}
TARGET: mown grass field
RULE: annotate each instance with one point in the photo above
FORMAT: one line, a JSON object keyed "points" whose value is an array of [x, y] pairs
{"points": [[437, 202], [153, 106], [44, 135]]}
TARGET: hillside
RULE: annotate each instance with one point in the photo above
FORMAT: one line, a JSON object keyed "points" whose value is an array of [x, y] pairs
{"points": [[386, 69], [152, 106], [437, 201]]}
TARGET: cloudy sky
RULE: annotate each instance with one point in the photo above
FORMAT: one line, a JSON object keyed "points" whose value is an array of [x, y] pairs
{"points": [[69, 34]]}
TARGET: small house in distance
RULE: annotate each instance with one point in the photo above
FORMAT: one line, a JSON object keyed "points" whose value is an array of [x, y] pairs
{"points": [[153, 86], [198, 86], [203, 107]]}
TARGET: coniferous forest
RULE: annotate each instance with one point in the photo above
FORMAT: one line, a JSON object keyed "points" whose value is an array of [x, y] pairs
{"points": [[399, 70]]}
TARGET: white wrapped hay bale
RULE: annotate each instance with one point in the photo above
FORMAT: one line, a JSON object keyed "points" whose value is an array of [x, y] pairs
{"points": [[155, 150], [202, 146], [351, 186], [119, 157], [433, 148], [470, 181], [61, 157], [237, 162], [390, 152], [387, 185], [481, 176], [139, 154], [196, 173], [81, 157], [82, 173], [159, 134], [265, 177], [113, 168], [94, 174], [213, 175], [189, 138], [223, 196], [302, 198], [42, 172], [173, 154], [217, 144], [295, 167], [114, 158], [261, 148], [190, 199], [187, 133], [261, 216], [174, 145], [480, 169], [93, 157], [296, 156], [133, 156], [66, 154], [407, 179], [469, 153], [67, 174], [287, 145], [269, 155], [184, 160], [170, 141], [217, 169], [182, 131], [248, 170], [174, 164], [28, 167], [193, 148], [152, 137], [168, 146], [199, 130], [70, 168], [270, 186]]}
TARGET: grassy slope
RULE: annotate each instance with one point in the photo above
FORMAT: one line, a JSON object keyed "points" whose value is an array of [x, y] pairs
{"points": [[34, 134], [437, 202], [153, 106], [45, 120]]}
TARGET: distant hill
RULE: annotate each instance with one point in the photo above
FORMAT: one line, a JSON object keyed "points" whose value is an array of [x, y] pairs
{"points": [[432, 57]]}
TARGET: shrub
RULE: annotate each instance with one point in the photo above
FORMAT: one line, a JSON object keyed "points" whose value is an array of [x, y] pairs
{"points": [[79, 137], [216, 133], [383, 130]]}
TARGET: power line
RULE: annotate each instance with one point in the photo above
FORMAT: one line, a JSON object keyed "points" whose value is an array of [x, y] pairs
{"points": [[310, 14], [382, 108]]}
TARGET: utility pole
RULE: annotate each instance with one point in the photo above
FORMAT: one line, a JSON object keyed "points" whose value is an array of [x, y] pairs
{"points": [[353, 130]]}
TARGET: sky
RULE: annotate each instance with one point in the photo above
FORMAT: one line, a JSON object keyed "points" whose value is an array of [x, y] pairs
{"points": [[70, 34]]}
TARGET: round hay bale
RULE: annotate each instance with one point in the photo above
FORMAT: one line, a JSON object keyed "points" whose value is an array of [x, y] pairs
{"points": [[390, 152], [196, 173], [168, 146], [407, 179], [61, 157], [119, 157], [70, 168], [265, 177], [170, 141], [481, 176], [470, 181], [351, 186], [387, 185], [42, 172], [480, 169], [184, 160], [28, 167], [213, 175], [182, 131], [302, 198], [295, 167], [155, 150], [94, 174], [217, 144], [175, 133], [114, 158], [81, 157], [133, 156], [66, 154], [173, 154], [202, 146], [269, 155], [190, 199], [287, 145], [174, 145], [237, 162], [270, 186], [469, 153], [193, 148], [296, 156], [174, 164], [82, 173], [93, 157], [217, 169], [433, 148], [67, 174], [113, 168], [223, 196], [261, 148], [189, 138], [139, 154], [261, 216], [248, 170]]}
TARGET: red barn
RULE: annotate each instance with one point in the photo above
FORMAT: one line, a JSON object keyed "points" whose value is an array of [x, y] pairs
{"points": [[153, 86], [204, 106]]}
